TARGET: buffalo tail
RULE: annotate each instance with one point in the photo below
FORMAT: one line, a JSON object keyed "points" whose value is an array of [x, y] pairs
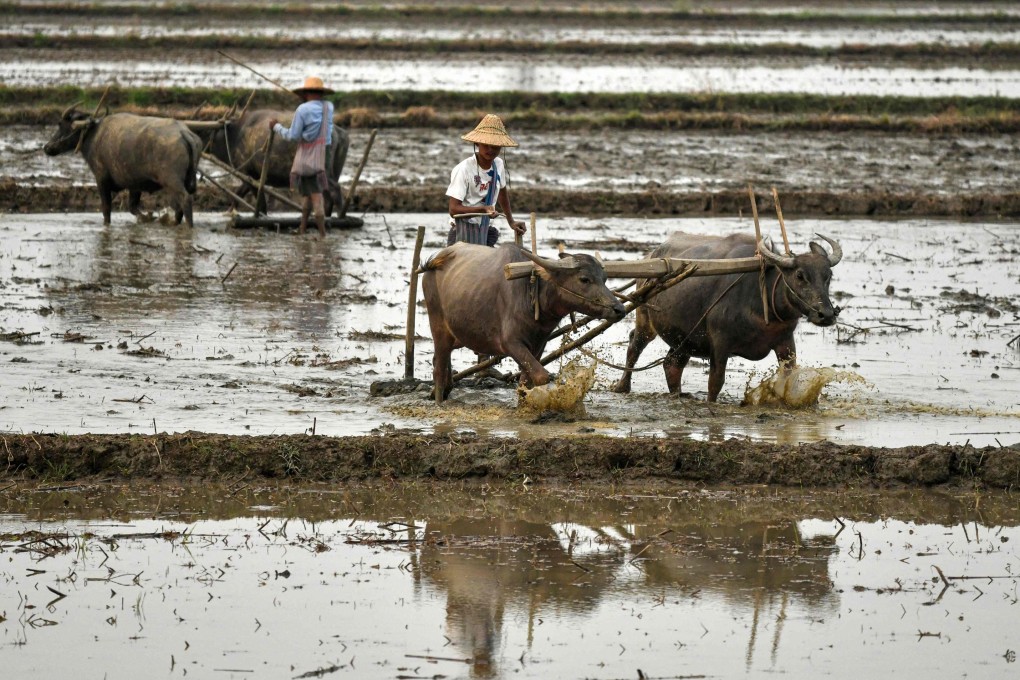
{"points": [[437, 261]]}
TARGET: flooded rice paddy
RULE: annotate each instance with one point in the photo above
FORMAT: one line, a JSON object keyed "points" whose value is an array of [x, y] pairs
{"points": [[520, 73], [494, 582], [144, 327], [540, 32]]}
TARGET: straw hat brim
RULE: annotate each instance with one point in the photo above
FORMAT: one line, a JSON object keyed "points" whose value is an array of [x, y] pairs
{"points": [[319, 90], [490, 138]]}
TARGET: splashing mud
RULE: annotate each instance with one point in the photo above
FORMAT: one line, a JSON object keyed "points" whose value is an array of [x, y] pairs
{"points": [[796, 387], [565, 394]]}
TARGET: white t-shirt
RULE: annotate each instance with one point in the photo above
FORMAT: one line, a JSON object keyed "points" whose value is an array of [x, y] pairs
{"points": [[469, 183]]}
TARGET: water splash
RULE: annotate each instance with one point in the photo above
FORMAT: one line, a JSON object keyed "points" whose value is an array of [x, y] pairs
{"points": [[796, 387], [565, 394]]}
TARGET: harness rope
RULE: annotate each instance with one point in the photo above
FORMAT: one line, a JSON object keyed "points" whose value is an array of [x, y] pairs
{"points": [[81, 133]]}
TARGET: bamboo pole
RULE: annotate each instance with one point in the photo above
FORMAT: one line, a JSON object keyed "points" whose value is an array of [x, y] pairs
{"points": [[225, 190], [782, 224], [265, 172], [412, 298], [651, 268], [357, 175], [754, 213], [263, 77], [534, 272], [280, 196], [757, 241]]}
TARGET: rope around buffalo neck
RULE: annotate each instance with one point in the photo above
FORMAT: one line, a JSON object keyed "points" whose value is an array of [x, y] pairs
{"points": [[82, 132], [596, 303], [792, 292]]}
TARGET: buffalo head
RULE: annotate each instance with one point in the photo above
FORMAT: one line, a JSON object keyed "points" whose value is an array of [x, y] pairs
{"points": [[580, 281], [73, 124], [807, 278]]}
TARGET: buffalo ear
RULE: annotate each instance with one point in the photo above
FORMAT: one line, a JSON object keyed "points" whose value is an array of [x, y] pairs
{"points": [[817, 249], [564, 255]]}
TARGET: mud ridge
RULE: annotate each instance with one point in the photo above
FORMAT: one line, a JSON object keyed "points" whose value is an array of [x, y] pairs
{"points": [[531, 107], [987, 55], [15, 197], [434, 12], [409, 456]]}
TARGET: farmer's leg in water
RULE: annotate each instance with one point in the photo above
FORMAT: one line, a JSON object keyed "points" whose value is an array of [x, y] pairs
{"points": [[320, 213], [306, 208]]}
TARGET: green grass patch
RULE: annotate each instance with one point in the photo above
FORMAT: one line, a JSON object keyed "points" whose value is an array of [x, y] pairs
{"points": [[556, 111]]}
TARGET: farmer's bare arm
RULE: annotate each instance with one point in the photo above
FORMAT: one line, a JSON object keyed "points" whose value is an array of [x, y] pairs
{"points": [[504, 202]]}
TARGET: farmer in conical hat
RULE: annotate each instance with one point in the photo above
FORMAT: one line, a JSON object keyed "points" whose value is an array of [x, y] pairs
{"points": [[479, 183], [312, 129]]}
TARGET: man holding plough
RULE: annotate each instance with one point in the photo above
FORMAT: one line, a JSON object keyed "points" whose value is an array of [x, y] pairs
{"points": [[478, 184], [312, 129]]}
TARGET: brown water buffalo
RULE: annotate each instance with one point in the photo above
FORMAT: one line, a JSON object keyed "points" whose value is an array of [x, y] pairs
{"points": [[240, 143], [137, 153], [716, 317], [471, 304]]}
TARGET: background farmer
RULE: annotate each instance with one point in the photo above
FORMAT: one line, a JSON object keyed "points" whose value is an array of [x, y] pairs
{"points": [[308, 173], [479, 183]]}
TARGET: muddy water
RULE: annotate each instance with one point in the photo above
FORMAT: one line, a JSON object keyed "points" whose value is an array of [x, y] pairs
{"points": [[639, 160], [522, 30], [410, 582], [521, 73], [143, 327]]}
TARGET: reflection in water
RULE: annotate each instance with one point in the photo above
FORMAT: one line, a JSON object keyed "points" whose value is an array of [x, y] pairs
{"points": [[487, 566], [492, 583]]}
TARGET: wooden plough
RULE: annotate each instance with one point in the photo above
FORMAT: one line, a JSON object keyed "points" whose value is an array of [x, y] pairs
{"points": [[657, 274], [249, 222]]}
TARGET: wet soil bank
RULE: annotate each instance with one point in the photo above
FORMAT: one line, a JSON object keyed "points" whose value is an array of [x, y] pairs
{"points": [[16, 197], [640, 15], [42, 105], [987, 55], [408, 456]]}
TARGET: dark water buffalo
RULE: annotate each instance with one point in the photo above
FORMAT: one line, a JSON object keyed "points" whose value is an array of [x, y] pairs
{"points": [[471, 304], [716, 317], [240, 143], [137, 153]]}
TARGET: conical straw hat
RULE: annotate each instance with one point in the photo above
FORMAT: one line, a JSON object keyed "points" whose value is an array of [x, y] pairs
{"points": [[490, 131], [312, 84]]}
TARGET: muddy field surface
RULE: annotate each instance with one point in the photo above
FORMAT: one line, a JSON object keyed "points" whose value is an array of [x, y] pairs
{"points": [[500, 581], [634, 160], [619, 172], [146, 328]]}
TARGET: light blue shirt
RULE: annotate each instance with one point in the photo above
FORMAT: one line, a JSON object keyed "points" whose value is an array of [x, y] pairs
{"points": [[307, 121]]}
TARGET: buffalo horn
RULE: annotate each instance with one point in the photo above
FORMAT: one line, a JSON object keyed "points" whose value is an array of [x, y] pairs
{"points": [[837, 252], [67, 112], [772, 256], [551, 265]]}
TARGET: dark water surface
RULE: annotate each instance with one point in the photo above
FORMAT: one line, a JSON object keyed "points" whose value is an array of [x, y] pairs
{"points": [[500, 582]]}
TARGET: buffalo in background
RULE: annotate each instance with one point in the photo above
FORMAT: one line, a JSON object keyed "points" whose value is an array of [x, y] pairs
{"points": [[241, 143], [137, 153], [716, 317]]}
